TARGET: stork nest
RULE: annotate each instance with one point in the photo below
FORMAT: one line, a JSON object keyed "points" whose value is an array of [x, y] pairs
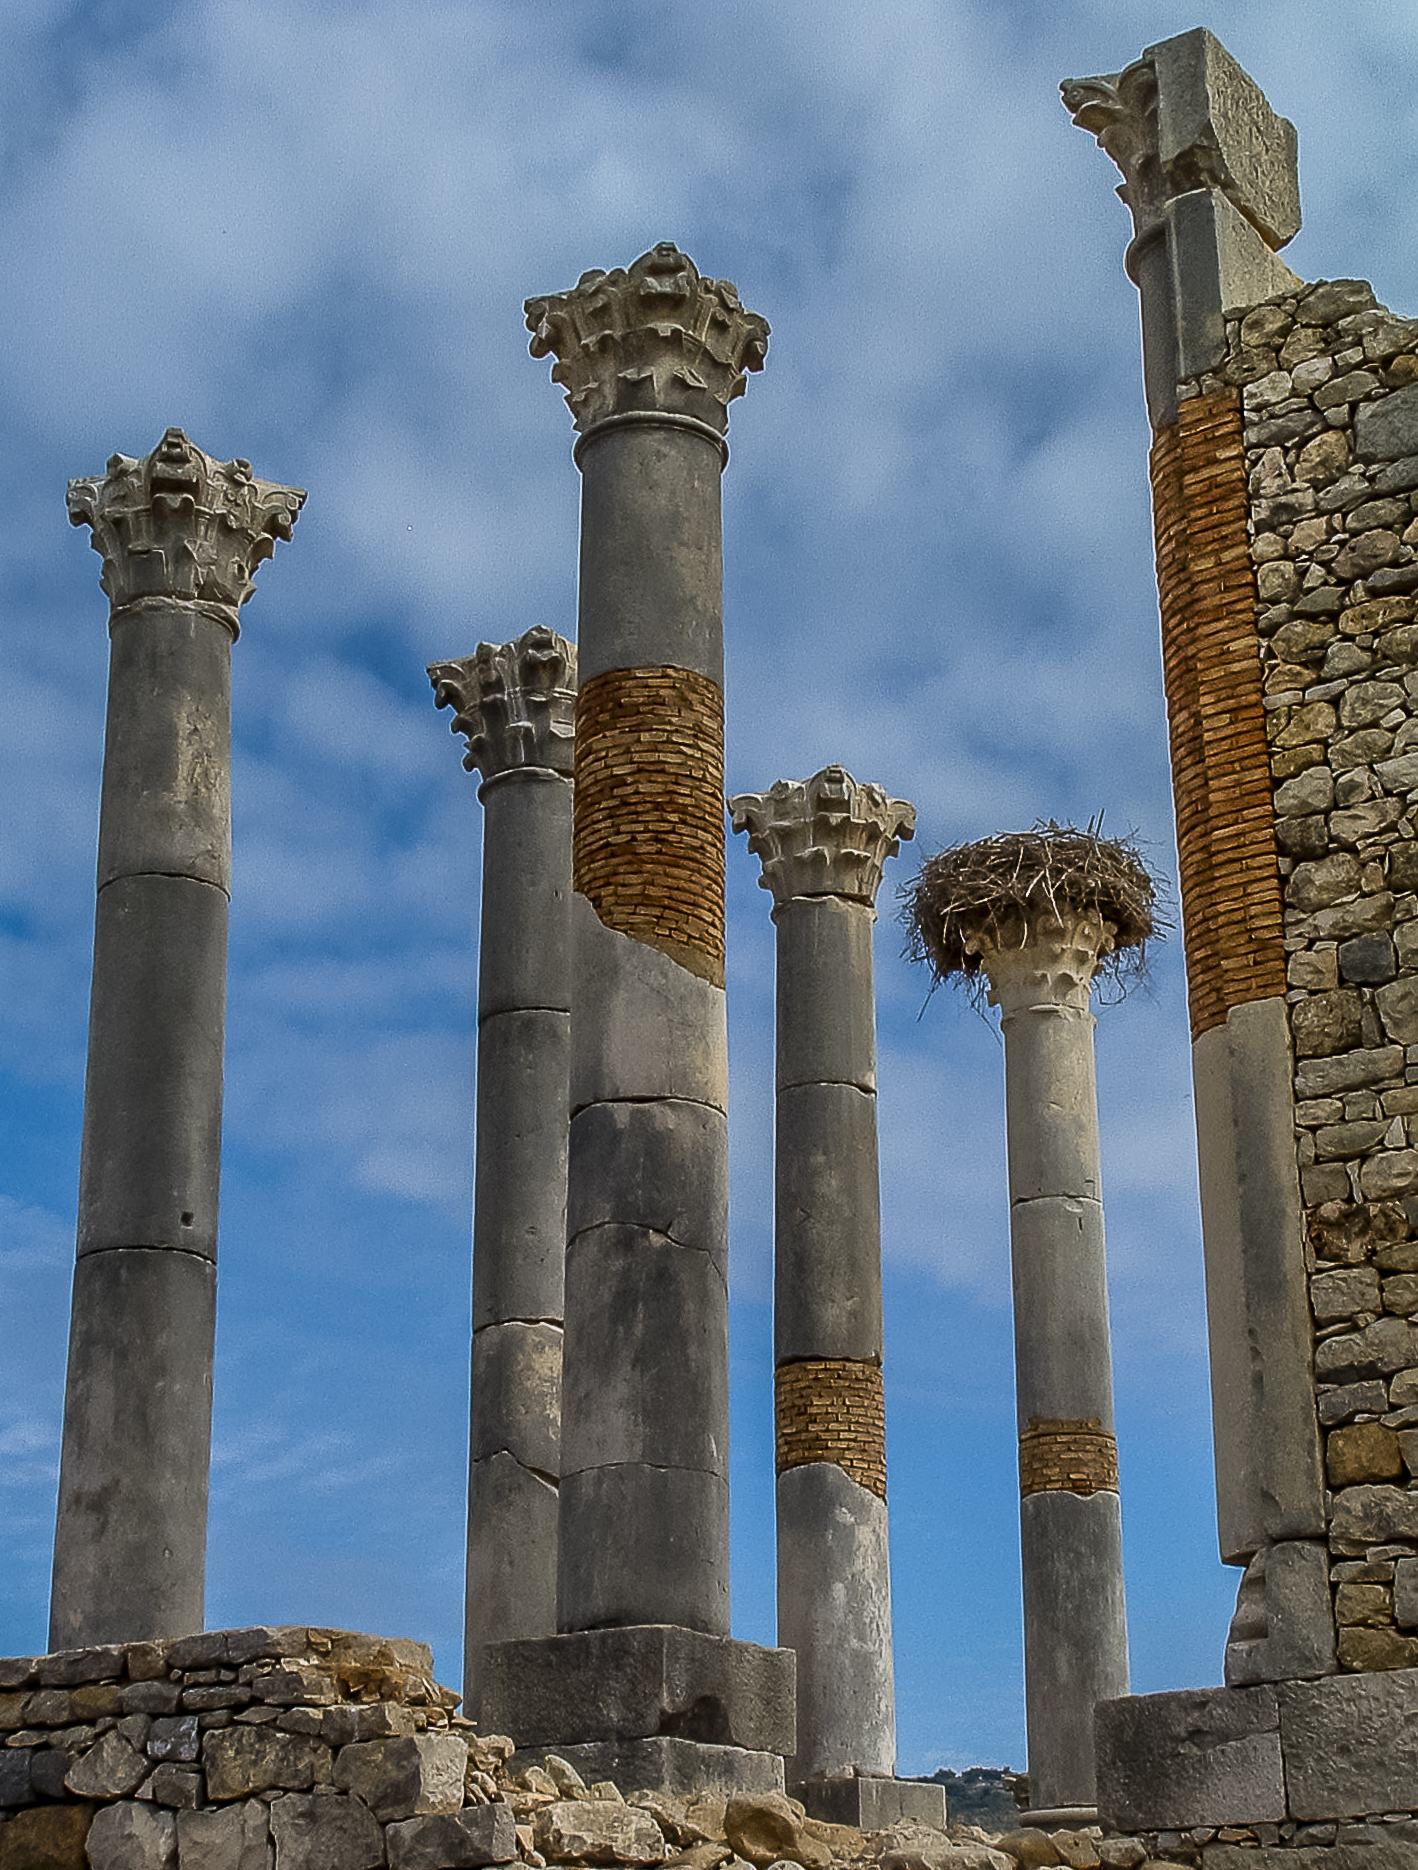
{"points": [[1003, 887]]}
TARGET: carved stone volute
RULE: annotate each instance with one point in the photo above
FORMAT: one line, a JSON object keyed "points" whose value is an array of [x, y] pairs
{"points": [[1120, 110], [514, 702], [824, 836], [656, 337], [177, 524], [1046, 960]]}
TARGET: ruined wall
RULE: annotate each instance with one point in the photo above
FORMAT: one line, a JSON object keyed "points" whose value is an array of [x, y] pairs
{"points": [[1316, 390]]}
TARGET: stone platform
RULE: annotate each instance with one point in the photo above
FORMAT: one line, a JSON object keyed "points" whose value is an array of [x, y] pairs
{"points": [[872, 1803]]}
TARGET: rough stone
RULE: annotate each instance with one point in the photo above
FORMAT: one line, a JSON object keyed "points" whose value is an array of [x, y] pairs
{"points": [[1327, 1023], [1364, 1451], [1373, 1515], [1379, 1349], [591, 1831], [1405, 1593], [243, 1760], [316, 1833], [235, 1838], [401, 1777], [766, 1829], [465, 1840], [1349, 1071], [132, 1836], [1351, 1744], [50, 1838], [1195, 1757], [109, 1770], [1368, 959], [1387, 429]]}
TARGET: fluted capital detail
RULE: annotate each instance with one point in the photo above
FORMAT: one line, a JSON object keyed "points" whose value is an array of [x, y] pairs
{"points": [[177, 524], [654, 337], [514, 702], [824, 836], [1047, 960]]}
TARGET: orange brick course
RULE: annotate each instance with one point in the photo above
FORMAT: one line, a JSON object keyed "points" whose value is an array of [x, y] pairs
{"points": [[648, 819], [1061, 1456], [832, 1409], [1230, 880]]}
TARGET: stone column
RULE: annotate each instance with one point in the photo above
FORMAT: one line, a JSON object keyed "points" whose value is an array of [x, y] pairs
{"points": [[1075, 1628], [823, 844], [180, 536], [650, 359], [516, 705]]}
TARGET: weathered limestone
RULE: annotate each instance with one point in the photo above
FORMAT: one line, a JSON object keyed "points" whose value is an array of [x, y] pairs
{"points": [[516, 705], [181, 536], [1040, 971], [823, 844], [650, 359]]}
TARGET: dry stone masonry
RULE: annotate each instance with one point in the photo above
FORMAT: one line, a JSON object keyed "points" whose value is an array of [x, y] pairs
{"points": [[515, 703]]}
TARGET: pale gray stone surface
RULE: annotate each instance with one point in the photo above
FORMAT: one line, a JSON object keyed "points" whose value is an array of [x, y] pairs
{"points": [[824, 836], [516, 1394], [1405, 1593], [1268, 1481], [1063, 1369], [241, 1760], [643, 1535], [511, 1573], [1363, 1856], [1201, 1756], [400, 1777], [132, 1836], [640, 1683], [1351, 1743], [873, 1804], [645, 1026], [661, 1165], [1373, 1515], [827, 1224], [1388, 429], [466, 1840], [1218, 262], [834, 1611], [826, 1008], [313, 1833], [235, 1838], [596, 1831], [519, 1195], [1283, 1629], [524, 953], [1075, 1635], [672, 1765]]}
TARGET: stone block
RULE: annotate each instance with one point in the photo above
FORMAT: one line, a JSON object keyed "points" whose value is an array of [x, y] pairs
{"points": [[596, 1831], [873, 1804], [516, 1395], [465, 1840], [1405, 1593], [325, 1833], [1341, 1295], [50, 1838], [1368, 1855], [661, 1165], [767, 1828], [628, 1290], [524, 953], [645, 1026], [826, 1010], [401, 1777], [640, 1541], [666, 1764], [519, 1196], [1375, 1649], [1374, 1516], [1219, 262], [1380, 1349], [1327, 1023], [1387, 428], [132, 1836], [639, 1683], [1364, 1451], [1200, 1756], [15, 1782], [365, 1720], [1063, 1366], [1351, 1071], [109, 1769], [243, 1760], [511, 1570], [827, 1204], [235, 1838], [1284, 1626], [1351, 1743]]}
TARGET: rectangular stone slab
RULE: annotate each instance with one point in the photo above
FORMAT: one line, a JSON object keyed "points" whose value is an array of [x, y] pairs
{"points": [[1351, 1743], [666, 1765], [1200, 1756], [647, 1681]]}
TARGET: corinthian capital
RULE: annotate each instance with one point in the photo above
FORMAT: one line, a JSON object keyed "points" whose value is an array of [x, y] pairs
{"points": [[178, 524], [1185, 117], [1046, 961], [515, 702], [656, 337], [824, 836]]}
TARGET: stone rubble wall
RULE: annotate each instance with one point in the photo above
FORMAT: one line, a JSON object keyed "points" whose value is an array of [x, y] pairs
{"points": [[1328, 384]]}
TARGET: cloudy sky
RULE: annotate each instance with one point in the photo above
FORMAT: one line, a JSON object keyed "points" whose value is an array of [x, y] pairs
{"points": [[303, 231]]}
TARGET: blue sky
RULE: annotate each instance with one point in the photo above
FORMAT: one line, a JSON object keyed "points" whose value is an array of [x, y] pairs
{"points": [[304, 232]]}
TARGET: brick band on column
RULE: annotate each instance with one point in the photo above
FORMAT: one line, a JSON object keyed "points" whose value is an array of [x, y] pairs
{"points": [[1058, 1456], [832, 1409], [648, 841], [1230, 880]]}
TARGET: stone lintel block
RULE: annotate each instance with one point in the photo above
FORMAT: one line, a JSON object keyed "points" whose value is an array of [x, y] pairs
{"points": [[834, 1611], [652, 574], [643, 1682], [826, 1008], [872, 1804], [131, 1535], [1219, 264], [1351, 1743], [666, 1764], [524, 951], [511, 1573], [1269, 1480], [1063, 1359], [662, 1165], [516, 1395], [642, 1544], [151, 1164], [166, 807], [519, 1196], [827, 1224], [1217, 131], [645, 1375], [645, 1026], [1199, 1756]]}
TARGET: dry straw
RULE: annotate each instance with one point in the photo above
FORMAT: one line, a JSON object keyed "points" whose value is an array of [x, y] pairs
{"points": [[1005, 887]]}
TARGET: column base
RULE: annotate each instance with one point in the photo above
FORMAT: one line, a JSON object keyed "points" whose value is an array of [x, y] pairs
{"points": [[872, 1804], [641, 1682], [660, 1763]]}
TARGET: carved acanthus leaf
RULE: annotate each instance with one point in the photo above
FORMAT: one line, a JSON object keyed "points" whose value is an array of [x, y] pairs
{"points": [[1047, 960], [654, 337], [178, 524], [1120, 110], [514, 702], [824, 836]]}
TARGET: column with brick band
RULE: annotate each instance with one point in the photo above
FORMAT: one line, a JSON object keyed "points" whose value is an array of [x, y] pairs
{"points": [[650, 358], [516, 705], [823, 844], [180, 536]]}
